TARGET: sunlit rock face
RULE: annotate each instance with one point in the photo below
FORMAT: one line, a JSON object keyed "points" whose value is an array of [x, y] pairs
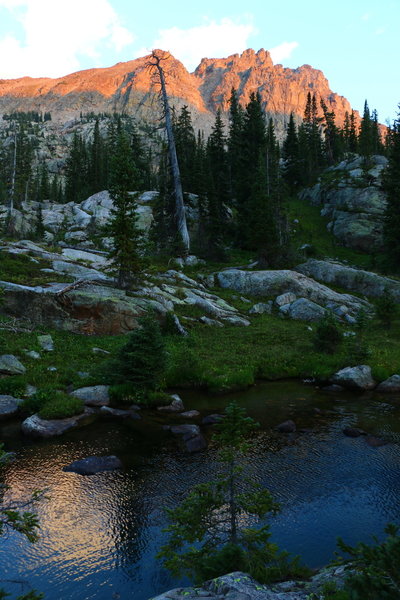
{"points": [[129, 87]]}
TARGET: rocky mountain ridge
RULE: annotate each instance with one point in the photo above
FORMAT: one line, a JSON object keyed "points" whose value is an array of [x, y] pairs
{"points": [[130, 87]]}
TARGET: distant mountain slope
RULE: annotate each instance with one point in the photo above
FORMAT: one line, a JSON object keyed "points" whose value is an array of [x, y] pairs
{"points": [[129, 87]]}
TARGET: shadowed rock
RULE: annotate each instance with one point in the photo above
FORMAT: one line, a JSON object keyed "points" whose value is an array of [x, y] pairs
{"points": [[93, 465]]}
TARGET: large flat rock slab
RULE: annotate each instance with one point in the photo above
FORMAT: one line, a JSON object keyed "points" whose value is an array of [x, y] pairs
{"points": [[85, 308], [34, 426], [275, 283]]}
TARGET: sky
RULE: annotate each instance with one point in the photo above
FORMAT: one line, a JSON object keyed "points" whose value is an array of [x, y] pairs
{"points": [[356, 43]]}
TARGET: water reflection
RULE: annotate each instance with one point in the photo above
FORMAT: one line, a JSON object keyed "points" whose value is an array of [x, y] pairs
{"points": [[100, 534]]}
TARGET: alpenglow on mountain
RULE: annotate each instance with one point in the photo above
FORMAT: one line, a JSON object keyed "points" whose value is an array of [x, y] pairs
{"points": [[129, 87]]}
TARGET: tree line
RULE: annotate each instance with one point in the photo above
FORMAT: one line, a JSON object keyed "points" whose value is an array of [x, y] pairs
{"points": [[241, 176]]}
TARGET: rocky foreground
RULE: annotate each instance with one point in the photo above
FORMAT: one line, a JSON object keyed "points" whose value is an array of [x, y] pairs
{"points": [[240, 586]]}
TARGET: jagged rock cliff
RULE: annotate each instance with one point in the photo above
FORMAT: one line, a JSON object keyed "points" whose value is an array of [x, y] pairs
{"points": [[129, 87]]}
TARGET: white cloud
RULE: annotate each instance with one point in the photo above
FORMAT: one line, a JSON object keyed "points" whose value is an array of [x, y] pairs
{"points": [[57, 34], [283, 51], [380, 31], [211, 39], [365, 17]]}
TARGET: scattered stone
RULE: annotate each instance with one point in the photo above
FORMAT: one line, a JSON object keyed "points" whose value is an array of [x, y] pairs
{"points": [[355, 378], [186, 430], [10, 365], [210, 322], [261, 308], [83, 374], [390, 386], [286, 427], [46, 343], [100, 351], [33, 354], [353, 432], [175, 406], [286, 298], [375, 442], [8, 406], [52, 369], [190, 414], [237, 321], [245, 300], [96, 395], [195, 443], [93, 465], [30, 390], [178, 326], [306, 310], [212, 419]]}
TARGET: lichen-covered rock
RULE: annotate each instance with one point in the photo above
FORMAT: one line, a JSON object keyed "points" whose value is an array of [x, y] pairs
{"points": [[240, 586], [355, 378], [349, 278], [306, 310], [261, 308], [353, 201], [273, 283], [175, 406]]}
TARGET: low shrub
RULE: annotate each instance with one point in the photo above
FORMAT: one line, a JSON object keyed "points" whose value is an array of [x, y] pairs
{"points": [[52, 404], [328, 336]]}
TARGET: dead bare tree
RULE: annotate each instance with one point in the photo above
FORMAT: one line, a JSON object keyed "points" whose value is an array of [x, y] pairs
{"points": [[155, 63]]}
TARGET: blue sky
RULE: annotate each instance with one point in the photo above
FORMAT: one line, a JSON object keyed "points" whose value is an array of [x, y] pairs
{"points": [[355, 43]]}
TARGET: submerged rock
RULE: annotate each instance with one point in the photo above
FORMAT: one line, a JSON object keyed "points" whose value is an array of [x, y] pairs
{"points": [[286, 427], [93, 465], [375, 442], [353, 432]]}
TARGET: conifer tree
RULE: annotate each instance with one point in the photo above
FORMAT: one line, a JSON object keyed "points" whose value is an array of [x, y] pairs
{"points": [[207, 538], [391, 183], [290, 154], [185, 141], [217, 189], [235, 142], [127, 239]]}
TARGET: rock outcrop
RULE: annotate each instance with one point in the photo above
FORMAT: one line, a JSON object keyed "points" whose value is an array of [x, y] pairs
{"points": [[275, 283], [356, 280], [352, 199], [240, 586]]}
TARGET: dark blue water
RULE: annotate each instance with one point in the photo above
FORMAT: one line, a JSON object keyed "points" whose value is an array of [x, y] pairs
{"points": [[100, 534]]}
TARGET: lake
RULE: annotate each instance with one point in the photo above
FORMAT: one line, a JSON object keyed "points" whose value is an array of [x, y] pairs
{"points": [[100, 534]]}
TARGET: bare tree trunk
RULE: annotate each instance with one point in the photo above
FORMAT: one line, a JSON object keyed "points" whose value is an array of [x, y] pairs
{"points": [[179, 204], [13, 175]]}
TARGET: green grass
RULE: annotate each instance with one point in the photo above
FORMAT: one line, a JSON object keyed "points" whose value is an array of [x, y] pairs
{"points": [[311, 229], [218, 359], [26, 270]]}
